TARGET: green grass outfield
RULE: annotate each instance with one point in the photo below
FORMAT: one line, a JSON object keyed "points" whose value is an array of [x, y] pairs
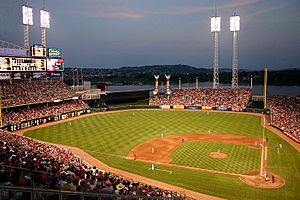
{"points": [[109, 137]]}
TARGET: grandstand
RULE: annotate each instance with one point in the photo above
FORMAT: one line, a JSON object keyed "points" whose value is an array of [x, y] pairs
{"points": [[27, 162], [285, 115], [225, 98], [31, 169], [30, 163], [29, 103]]}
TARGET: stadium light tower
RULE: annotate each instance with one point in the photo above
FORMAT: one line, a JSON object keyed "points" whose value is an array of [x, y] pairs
{"points": [[27, 21], [234, 28], [215, 28], [45, 24]]}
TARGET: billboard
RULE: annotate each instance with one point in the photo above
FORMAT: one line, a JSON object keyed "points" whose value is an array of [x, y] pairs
{"points": [[178, 106], [27, 15], [38, 51], [39, 75], [192, 107], [206, 108], [165, 107], [4, 76], [54, 53], [17, 76], [12, 64], [45, 19], [54, 65], [7, 51]]}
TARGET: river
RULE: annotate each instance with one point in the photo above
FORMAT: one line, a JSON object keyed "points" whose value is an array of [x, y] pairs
{"points": [[257, 89]]}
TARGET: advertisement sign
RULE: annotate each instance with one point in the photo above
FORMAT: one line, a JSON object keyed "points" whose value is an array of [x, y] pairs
{"points": [[165, 106], [54, 74], [22, 64], [193, 107], [5, 51], [54, 65], [39, 75], [206, 108], [38, 51], [54, 53], [17, 76], [4, 76], [178, 107], [221, 108], [5, 64]]}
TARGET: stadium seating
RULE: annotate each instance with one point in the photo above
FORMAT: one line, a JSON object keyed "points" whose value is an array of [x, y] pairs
{"points": [[13, 116], [285, 115], [236, 99], [28, 162], [22, 92]]}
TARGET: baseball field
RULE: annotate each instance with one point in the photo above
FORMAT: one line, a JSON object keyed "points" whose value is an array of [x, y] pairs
{"points": [[180, 144]]}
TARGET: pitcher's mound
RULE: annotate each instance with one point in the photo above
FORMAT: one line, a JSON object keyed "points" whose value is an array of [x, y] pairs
{"points": [[254, 179], [218, 155]]}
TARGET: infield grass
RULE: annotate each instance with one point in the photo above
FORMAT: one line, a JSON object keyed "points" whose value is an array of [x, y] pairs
{"points": [[241, 159], [108, 137]]}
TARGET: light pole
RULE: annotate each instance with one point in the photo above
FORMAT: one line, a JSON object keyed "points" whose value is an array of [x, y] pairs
{"points": [[27, 21], [215, 28], [234, 28], [45, 24]]}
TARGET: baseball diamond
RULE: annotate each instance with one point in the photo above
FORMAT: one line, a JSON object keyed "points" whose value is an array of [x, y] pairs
{"points": [[113, 137]]}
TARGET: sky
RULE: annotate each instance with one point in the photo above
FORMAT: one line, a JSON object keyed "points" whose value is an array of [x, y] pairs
{"points": [[117, 33]]}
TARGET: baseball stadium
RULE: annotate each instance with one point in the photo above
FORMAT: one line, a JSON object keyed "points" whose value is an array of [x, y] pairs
{"points": [[183, 143]]}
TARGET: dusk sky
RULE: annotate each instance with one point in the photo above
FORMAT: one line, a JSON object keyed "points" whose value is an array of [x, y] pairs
{"points": [[116, 33]]}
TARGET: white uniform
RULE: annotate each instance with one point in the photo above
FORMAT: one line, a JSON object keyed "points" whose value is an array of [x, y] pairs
{"points": [[152, 167]]}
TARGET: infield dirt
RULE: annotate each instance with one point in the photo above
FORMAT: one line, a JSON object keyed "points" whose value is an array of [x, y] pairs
{"points": [[252, 178]]}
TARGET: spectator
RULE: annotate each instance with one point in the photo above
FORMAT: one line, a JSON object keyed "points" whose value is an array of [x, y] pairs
{"points": [[285, 115], [24, 162], [236, 99]]}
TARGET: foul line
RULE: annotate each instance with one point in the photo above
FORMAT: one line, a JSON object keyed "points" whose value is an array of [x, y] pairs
{"points": [[262, 160], [157, 169], [107, 154]]}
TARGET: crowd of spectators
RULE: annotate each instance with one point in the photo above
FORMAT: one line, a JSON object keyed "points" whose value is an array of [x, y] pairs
{"points": [[20, 92], [285, 115], [12, 116], [28, 162], [236, 99]]}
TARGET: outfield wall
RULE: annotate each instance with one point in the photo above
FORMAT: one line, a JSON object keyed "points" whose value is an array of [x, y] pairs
{"points": [[44, 120], [47, 119]]}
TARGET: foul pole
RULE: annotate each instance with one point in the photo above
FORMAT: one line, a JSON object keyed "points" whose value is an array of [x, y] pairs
{"points": [[265, 87]]}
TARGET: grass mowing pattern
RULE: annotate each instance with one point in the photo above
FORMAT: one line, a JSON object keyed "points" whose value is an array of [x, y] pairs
{"points": [[117, 133], [241, 159]]}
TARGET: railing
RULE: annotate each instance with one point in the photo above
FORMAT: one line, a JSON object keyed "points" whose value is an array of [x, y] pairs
{"points": [[34, 193]]}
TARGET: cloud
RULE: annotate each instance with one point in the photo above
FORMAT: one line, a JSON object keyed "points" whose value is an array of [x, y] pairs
{"points": [[201, 9], [117, 13], [260, 12], [114, 14]]}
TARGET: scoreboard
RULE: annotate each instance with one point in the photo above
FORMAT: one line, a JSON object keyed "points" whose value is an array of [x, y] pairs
{"points": [[41, 60], [55, 65], [12, 64]]}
